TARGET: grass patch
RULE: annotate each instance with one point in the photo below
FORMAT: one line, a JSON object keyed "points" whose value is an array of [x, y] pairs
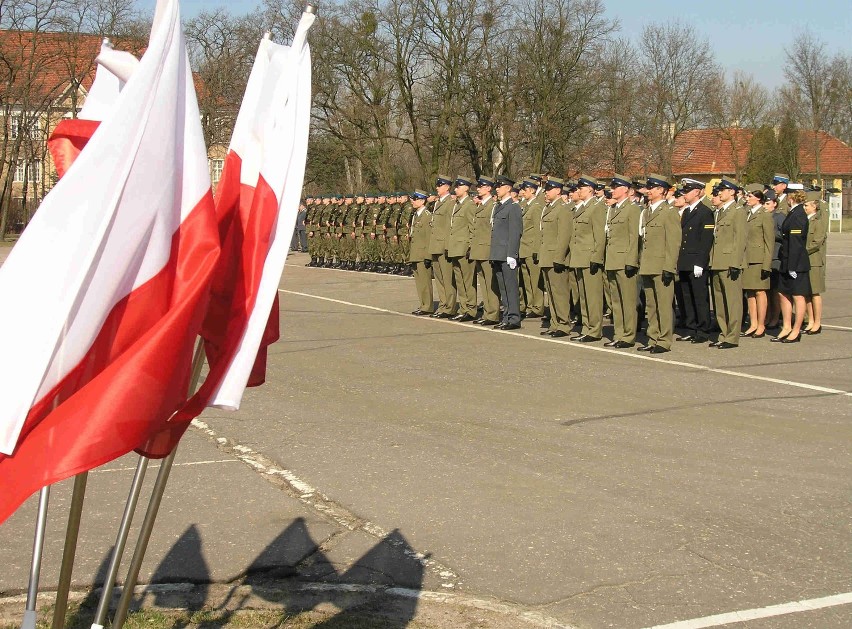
{"points": [[80, 617]]}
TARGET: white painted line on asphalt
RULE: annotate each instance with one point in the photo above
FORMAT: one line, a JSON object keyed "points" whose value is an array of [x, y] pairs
{"points": [[836, 327], [582, 346], [761, 612], [838, 255], [154, 467]]}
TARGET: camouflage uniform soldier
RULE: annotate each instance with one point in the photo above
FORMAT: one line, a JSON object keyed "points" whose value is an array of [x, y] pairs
{"points": [[325, 250], [403, 230], [347, 241]]}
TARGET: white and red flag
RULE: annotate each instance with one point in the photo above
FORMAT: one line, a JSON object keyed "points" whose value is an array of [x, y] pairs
{"points": [[107, 288], [256, 206]]}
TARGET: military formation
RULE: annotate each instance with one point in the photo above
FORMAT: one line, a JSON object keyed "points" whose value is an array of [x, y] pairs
{"points": [[719, 262]]}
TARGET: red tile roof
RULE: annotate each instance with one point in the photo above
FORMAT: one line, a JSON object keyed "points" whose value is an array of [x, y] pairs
{"points": [[43, 64], [711, 152]]}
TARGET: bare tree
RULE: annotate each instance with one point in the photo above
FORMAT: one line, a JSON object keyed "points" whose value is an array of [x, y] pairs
{"points": [[738, 109], [817, 89], [677, 66]]}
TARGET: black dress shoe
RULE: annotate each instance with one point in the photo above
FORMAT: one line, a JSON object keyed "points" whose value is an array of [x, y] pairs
{"points": [[623, 345], [558, 334], [779, 338], [699, 339], [645, 348], [759, 336], [463, 318], [510, 326], [812, 332], [726, 345], [488, 322], [715, 344], [611, 344], [422, 313], [544, 332], [587, 338], [444, 315], [688, 337], [789, 340], [746, 334], [658, 350]]}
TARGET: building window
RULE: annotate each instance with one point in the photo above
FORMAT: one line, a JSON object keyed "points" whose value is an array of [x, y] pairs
{"points": [[216, 166], [30, 172], [14, 127]]}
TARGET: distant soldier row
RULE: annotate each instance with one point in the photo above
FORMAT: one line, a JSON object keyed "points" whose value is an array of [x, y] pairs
{"points": [[586, 247]]}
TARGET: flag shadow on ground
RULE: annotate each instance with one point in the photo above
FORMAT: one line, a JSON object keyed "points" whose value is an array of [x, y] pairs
{"points": [[293, 575]]}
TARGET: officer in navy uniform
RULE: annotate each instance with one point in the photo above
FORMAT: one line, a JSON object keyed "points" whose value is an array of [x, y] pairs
{"points": [[507, 226], [693, 263]]}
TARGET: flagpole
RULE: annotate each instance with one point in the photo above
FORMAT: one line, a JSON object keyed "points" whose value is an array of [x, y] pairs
{"points": [[153, 509], [70, 550], [35, 566], [120, 543]]}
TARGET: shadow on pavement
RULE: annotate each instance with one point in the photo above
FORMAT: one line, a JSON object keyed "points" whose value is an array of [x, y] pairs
{"points": [[295, 557]]}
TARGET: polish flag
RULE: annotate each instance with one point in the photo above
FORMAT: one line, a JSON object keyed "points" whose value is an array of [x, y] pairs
{"points": [[106, 290], [71, 135], [256, 206]]}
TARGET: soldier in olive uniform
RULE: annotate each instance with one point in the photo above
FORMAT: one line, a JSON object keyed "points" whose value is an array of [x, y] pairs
{"points": [[588, 245], [532, 296], [480, 252], [661, 237], [727, 258], [458, 248], [622, 261], [419, 256], [555, 227], [442, 269]]}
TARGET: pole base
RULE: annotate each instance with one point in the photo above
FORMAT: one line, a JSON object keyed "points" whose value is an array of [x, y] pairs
{"points": [[30, 618]]}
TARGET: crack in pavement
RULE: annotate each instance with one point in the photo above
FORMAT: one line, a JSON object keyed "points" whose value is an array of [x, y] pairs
{"points": [[322, 504]]}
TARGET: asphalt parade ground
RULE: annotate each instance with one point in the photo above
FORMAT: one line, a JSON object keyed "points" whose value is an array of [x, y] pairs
{"points": [[500, 477]]}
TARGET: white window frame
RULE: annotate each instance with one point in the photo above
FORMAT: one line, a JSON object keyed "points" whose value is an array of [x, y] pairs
{"points": [[216, 168]]}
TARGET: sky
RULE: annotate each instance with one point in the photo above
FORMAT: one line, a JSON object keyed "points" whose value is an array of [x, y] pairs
{"points": [[746, 35]]}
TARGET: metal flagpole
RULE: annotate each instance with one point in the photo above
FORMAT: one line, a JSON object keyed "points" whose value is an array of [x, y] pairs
{"points": [[35, 567], [153, 509], [120, 542], [70, 550]]}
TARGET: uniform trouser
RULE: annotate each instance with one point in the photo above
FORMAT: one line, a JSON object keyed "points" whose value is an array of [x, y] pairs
{"points": [[303, 239], [490, 290], [443, 270], [696, 304], [532, 297], [507, 284], [590, 289], [463, 274], [574, 293], [560, 299], [658, 310], [423, 284], [360, 249], [623, 291], [312, 245], [728, 299]]}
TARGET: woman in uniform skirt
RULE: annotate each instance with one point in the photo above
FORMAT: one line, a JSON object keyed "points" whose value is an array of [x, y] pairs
{"points": [[773, 314], [760, 244], [817, 233], [793, 282]]}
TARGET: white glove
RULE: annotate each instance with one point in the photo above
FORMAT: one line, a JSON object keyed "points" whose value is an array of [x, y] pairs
{"points": [[512, 263], [793, 274], [697, 271]]}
